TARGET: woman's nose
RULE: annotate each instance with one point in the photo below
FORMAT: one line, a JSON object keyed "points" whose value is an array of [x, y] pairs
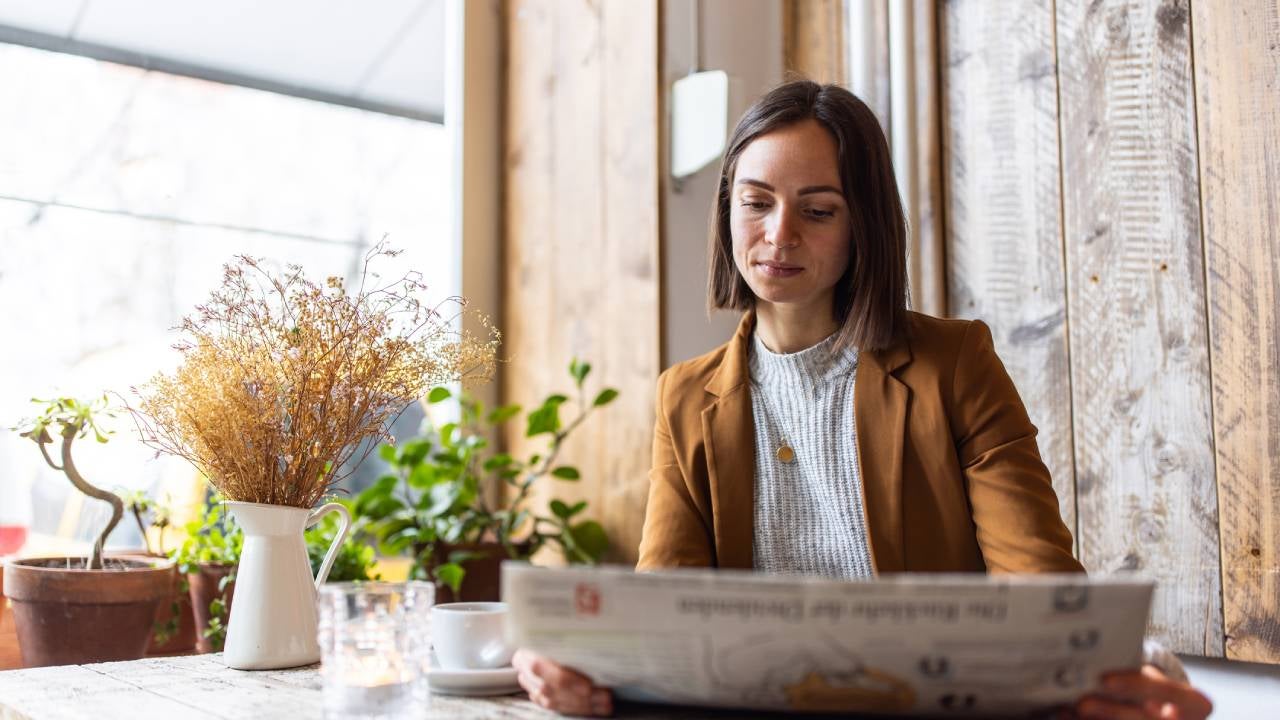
{"points": [[782, 231]]}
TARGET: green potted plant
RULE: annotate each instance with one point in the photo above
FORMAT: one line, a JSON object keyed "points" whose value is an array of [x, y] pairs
{"points": [[206, 562], [438, 500], [80, 610]]}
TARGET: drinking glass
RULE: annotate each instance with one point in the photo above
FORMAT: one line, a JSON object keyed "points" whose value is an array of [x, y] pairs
{"points": [[375, 648]]}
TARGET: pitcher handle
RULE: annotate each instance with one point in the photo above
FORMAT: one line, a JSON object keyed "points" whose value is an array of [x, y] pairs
{"points": [[332, 555]]}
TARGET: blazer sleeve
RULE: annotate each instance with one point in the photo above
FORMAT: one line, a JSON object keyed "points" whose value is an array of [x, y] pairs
{"points": [[675, 533], [1015, 510]]}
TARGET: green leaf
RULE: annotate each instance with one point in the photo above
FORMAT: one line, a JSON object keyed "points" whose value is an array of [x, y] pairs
{"points": [[579, 370], [605, 397], [437, 394], [387, 452], [591, 541], [402, 539], [544, 420], [377, 500], [450, 574], [577, 508], [503, 414], [414, 452], [501, 460], [443, 497], [422, 477], [560, 509], [447, 434], [566, 472]]}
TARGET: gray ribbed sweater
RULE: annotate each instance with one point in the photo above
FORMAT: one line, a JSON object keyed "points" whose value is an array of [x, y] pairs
{"points": [[808, 513]]}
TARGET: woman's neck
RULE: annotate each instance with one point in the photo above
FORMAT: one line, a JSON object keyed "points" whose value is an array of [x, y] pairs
{"points": [[789, 328]]}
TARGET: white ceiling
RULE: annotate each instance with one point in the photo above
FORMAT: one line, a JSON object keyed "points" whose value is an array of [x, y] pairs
{"points": [[385, 54]]}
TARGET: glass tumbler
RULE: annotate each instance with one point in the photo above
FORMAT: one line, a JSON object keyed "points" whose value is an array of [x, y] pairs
{"points": [[375, 647]]}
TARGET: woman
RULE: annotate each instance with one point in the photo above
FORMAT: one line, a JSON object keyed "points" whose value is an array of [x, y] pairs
{"points": [[764, 457]]}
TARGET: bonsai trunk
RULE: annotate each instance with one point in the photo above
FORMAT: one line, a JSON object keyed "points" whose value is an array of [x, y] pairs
{"points": [[69, 467]]}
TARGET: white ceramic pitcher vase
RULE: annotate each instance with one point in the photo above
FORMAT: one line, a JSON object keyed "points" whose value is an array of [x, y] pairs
{"points": [[273, 614]]}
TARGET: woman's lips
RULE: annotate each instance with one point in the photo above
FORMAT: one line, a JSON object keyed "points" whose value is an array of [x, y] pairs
{"points": [[778, 270]]}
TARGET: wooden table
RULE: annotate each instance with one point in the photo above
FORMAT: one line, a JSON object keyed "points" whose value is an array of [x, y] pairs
{"points": [[200, 686]]}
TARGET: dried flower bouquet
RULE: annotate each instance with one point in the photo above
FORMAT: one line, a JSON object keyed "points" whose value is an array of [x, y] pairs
{"points": [[283, 381]]}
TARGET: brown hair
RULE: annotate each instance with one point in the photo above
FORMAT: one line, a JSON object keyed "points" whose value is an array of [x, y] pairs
{"points": [[870, 298]]}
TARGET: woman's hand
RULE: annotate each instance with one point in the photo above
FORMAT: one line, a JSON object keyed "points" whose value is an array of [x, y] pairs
{"points": [[1144, 695], [556, 687]]}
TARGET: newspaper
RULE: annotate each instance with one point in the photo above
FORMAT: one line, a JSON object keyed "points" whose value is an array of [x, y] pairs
{"points": [[906, 644]]}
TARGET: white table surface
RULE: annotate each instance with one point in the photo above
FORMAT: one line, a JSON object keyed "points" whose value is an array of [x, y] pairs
{"points": [[201, 687]]}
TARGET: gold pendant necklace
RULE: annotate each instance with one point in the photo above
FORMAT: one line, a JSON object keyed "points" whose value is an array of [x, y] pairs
{"points": [[785, 453]]}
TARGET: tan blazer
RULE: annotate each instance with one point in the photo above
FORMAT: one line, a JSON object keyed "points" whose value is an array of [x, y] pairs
{"points": [[952, 478]]}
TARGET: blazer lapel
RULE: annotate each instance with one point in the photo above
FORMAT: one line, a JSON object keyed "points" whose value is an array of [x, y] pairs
{"points": [[729, 438], [880, 415]]}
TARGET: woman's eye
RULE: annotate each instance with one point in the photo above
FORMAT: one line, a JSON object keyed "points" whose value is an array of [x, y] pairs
{"points": [[820, 213], [755, 204]]}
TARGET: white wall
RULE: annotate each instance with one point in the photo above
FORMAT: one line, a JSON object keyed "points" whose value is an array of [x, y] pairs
{"points": [[1239, 690], [745, 40]]}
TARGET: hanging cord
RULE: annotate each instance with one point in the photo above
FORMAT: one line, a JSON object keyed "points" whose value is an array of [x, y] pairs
{"points": [[695, 36]]}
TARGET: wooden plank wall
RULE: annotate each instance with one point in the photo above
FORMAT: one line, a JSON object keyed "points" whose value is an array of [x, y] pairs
{"points": [[1111, 174], [813, 44], [1004, 223], [928, 234], [1237, 89], [581, 237], [868, 30], [1135, 279]]}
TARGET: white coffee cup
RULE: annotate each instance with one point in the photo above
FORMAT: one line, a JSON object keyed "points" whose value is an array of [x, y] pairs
{"points": [[470, 635]]}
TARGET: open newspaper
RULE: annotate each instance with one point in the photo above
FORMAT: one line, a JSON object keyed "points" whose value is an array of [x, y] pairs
{"points": [[907, 644]]}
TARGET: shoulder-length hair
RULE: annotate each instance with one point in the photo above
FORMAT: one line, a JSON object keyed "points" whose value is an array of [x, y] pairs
{"points": [[870, 298]]}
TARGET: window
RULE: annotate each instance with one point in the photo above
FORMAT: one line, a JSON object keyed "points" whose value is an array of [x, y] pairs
{"points": [[123, 192]]}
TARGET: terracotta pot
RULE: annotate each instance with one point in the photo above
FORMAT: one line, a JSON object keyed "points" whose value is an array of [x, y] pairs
{"points": [[482, 581], [203, 590], [72, 616]]}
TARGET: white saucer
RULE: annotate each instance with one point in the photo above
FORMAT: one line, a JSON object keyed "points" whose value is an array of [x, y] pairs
{"points": [[474, 683]]}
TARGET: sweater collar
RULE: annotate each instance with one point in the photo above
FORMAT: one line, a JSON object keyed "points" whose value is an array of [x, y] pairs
{"points": [[733, 370], [811, 367]]}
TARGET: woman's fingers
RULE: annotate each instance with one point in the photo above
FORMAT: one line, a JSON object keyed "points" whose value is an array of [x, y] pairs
{"points": [[556, 687], [1151, 685], [1093, 707]]}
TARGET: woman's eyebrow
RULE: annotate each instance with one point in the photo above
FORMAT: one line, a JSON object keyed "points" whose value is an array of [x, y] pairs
{"points": [[819, 189], [756, 183], [803, 191]]}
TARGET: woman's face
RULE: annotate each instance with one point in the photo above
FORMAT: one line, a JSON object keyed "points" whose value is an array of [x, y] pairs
{"points": [[789, 220]]}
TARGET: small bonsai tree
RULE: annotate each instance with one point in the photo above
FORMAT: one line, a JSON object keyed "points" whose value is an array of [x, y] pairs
{"points": [[72, 419]]}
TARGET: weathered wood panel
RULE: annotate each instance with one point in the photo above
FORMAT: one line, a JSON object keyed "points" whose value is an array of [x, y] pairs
{"points": [[629, 322], [1139, 344], [1237, 79], [1003, 230], [867, 43], [813, 39], [929, 288], [582, 194]]}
